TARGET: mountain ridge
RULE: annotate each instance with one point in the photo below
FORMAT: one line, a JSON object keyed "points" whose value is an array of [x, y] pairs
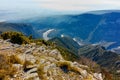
{"points": [[18, 27]]}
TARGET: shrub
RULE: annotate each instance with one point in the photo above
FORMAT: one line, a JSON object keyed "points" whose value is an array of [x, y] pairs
{"points": [[68, 65], [66, 54], [41, 42], [93, 66], [41, 72], [14, 59], [15, 37]]}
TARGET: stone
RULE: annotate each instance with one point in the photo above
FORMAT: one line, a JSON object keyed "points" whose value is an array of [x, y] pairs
{"points": [[30, 58], [48, 62], [29, 51], [34, 70], [98, 76], [32, 75], [42, 48]]}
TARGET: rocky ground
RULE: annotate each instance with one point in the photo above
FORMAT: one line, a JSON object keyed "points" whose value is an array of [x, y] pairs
{"points": [[35, 62]]}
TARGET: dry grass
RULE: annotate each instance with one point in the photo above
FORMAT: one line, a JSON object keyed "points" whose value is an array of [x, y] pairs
{"points": [[6, 68], [69, 66], [15, 59], [41, 72]]}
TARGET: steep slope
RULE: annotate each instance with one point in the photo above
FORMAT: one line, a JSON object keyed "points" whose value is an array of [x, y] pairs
{"points": [[109, 29], [106, 59], [97, 53], [66, 42], [35, 62]]}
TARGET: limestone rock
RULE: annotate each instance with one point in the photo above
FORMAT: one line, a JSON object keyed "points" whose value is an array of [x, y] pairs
{"points": [[44, 63]]}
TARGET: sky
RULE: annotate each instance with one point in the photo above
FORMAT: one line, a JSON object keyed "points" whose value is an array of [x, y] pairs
{"points": [[59, 5], [63, 6]]}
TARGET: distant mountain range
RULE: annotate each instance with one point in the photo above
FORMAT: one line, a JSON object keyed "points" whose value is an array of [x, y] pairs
{"points": [[103, 11], [91, 27]]}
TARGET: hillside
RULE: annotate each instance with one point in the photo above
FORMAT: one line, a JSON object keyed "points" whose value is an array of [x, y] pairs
{"points": [[19, 27], [66, 42], [96, 53], [39, 62], [107, 59]]}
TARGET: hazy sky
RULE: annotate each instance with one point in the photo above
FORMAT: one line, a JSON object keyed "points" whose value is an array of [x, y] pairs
{"points": [[59, 5]]}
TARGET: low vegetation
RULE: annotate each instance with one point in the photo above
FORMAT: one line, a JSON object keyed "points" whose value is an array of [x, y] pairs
{"points": [[15, 37], [6, 68], [67, 66], [67, 55]]}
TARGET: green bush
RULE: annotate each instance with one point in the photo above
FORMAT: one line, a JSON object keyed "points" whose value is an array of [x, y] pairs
{"points": [[66, 54], [15, 37]]}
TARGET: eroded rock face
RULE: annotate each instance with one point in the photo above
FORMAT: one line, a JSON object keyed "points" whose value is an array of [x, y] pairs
{"points": [[41, 63]]}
